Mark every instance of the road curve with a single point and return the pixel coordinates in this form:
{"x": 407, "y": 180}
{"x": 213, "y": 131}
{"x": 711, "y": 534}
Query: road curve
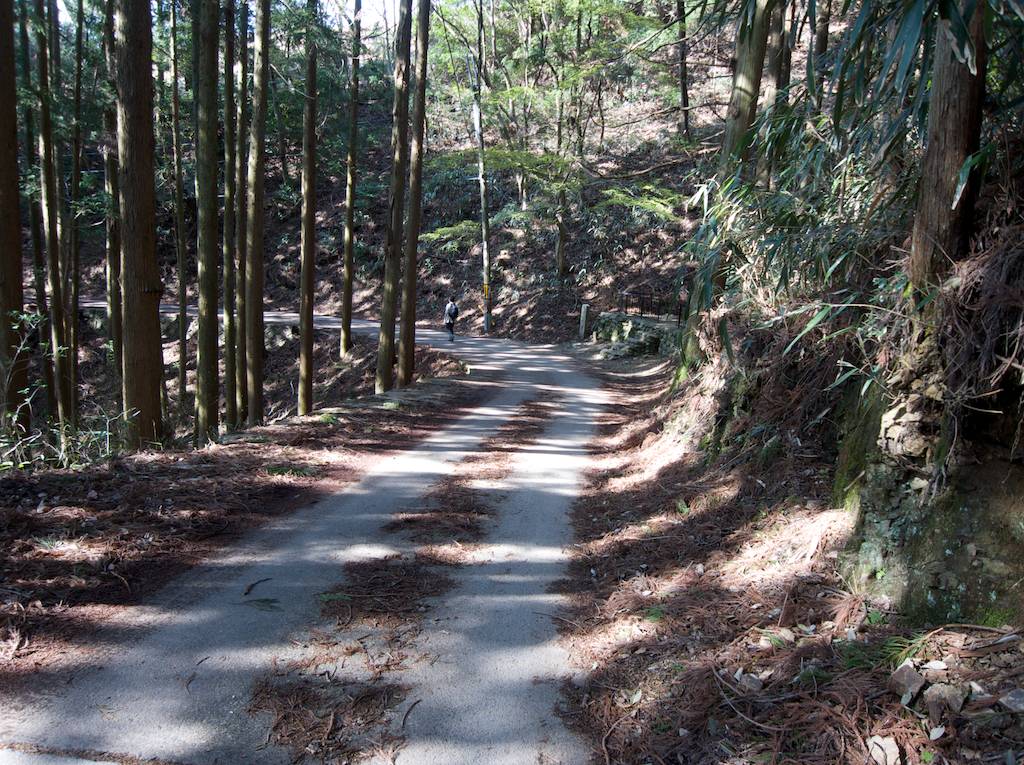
{"x": 174, "y": 677}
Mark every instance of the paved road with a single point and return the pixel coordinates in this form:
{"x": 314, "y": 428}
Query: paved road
{"x": 174, "y": 678}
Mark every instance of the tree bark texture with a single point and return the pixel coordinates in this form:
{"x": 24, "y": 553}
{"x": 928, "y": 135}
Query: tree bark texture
{"x": 240, "y": 212}
{"x": 13, "y": 371}
{"x": 179, "y": 214}
{"x": 208, "y": 245}
{"x": 308, "y": 246}
{"x": 51, "y": 214}
{"x": 112, "y": 187}
{"x": 407, "y": 341}
{"x": 942, "y": 223}
{"x": 478, "y": 131}
{"x": 230, "y": 190}
{"x": 751, "y": 42}
{"x": 255, "y": 217}
{"x": 684, "y": 84}
{"x": 396, "y": 202}
{"x": 350, "y": 183}
{"x": 140, "y": 276}
{"x": 36, "y": 222}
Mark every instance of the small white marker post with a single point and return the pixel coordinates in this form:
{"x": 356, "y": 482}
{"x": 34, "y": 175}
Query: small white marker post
{"x": 584, "y": 310}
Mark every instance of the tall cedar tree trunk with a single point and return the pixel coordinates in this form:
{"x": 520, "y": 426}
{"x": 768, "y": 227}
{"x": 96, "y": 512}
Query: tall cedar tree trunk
{"x": 478, "y": 130}
{"x": 240, "y": 213}
{"x": 751, "y": 42}
{"x": 140, "y": 276}
{"x": 350, "y": 183}
{"x": 13, "y": 370}
{"x": 230, "y": 187}
{"x": 308, "y": 274}
{"x": 74, "y": 232}
{"x": 942, "y": 229}
{"x": 112, "y": 186}
{"x": 179, "y": 215}
{"x": 51, "y": 207}
{"x": 57, "y": 97}
{"x": 684, "y": 84}
{"x": 396, "y": 201}
{"x": 207, "y": 240}
{"x": 407, "y": 342}
{"x": 255, "y": 218}
{"x": 36, "y": 224}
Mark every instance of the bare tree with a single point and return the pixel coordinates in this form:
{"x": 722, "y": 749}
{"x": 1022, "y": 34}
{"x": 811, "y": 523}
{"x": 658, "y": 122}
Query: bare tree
{"x": 407, "y": 344}
{"x": 308, "y": 216}
{"x": 112, "y": 186}
{"x": 36, "y": 220}
{"x": 350, "y": 183}
{"x": 51, "y": 215}
{"x": 255, "y": 222}
{"x": 179, "y": 214}
{"x": 207, "y": 245}
{"x": 485, "y": 214}
{"x": 230, "y": 204}
{"x": 241, "y": 210}
{"x": 140, "y": 276}
{"x": 13, "y": 371}
{"x": 396, "y": 201}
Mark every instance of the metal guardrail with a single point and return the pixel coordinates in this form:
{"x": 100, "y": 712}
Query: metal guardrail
{"x": 646, "y": 303}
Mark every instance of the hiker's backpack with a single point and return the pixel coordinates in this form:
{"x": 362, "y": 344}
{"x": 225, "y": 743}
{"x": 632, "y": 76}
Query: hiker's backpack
{"x": 451, "y": 313}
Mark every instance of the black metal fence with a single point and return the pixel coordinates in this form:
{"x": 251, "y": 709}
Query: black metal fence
{"x": 646, "y": 303}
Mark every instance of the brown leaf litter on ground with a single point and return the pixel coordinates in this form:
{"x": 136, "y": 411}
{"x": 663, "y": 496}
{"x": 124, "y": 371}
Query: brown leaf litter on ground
{"x": 707, "y": 610}
{"x": 336, "y": 722}
{"x": 383, "y": 601}
{"x": 80, "y": 543}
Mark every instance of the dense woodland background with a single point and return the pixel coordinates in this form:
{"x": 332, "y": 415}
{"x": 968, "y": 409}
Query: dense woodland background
{"x": 825, "y": 195}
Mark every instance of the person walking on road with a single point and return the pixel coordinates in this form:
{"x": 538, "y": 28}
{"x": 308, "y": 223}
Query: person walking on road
{"x": 451, "y": 313}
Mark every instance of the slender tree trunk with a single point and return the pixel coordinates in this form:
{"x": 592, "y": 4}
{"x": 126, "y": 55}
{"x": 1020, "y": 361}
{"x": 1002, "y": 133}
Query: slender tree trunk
{"x": 751, "y": 42}
{"x": 255, "y": 221}
{"x": 823, "y": 19}
{"x": 143, "y": 362}
{"x": 13, "y": 369}
{"x": 684, "y": 79}
{"x": 240, "y": 212}
{"x": 943, "y": 223}
{"x": 51, "y": 207}
{"x": 350, "y": 183}
{"x": 561, "y": 212}
{"x": 230, "y": 186}
{"x": 111, "y": 185}
{"x": 74, "y": 233}
{"x": 407, "y": 342}
{"x": 786, "y": 60}
{"x": 207, "y": 240}
{"x": 776, "y": 39}
{"x": 282, "y": 145}
{"x": 179, "y": 216}
{"x": 36, "y": 222}
{"x": 478, "y": 131}
{"x": 396, "y": 203}
{"x": 308, "y": 276}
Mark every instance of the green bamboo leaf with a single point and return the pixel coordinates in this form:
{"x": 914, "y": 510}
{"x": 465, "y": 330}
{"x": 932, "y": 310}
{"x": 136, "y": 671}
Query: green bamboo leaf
{"x": 815, "y": 321}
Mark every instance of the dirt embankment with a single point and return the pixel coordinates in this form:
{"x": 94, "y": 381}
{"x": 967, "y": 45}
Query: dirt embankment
{"x": 708, "y": 612}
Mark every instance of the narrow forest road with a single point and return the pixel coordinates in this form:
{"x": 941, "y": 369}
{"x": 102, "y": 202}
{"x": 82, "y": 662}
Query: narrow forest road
{"x": 177, "y": 672}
